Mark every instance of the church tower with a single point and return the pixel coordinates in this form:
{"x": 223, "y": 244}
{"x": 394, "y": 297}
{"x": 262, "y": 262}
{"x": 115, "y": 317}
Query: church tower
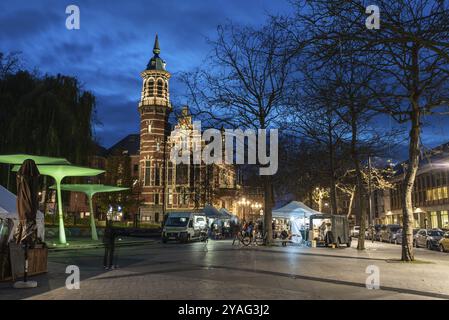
{"x": 154, "y": 109}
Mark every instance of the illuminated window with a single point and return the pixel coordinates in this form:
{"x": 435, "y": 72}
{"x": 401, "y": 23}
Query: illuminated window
{"x": 437, "y": 194}
{"x": 434, "y": 219}
{"x": 444, "y": 219}
{"x": 170, "y": 196}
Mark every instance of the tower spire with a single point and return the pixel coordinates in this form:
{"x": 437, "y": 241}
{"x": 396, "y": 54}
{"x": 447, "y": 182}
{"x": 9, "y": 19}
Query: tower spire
{"x": 156, "y": 49}
{"x": 156, "y": 63}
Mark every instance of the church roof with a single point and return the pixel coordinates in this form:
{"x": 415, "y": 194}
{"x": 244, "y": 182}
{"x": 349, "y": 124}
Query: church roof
{"x": 156, "y": 62}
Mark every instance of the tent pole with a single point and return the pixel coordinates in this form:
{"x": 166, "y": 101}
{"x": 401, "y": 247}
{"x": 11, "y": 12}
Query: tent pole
{"x": 62, "y": 238}
{"x": 92, "y": 218}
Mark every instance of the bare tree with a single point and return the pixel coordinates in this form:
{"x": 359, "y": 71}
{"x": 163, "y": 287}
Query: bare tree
{"x": 243, "y": 85}
{"x": 411, "y": 51}
{"x": 9, "y": 63}
{"x": 312, "y": 116}
{"x": 378, "y": 178}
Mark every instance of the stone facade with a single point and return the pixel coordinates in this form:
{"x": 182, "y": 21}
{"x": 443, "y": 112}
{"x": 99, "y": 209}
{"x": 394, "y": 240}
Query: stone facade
{"x": 166, "y": 186}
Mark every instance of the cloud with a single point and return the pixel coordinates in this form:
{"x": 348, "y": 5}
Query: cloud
{"x": 119, "y": 118}
{"x": 115, "y": 43}
{"x": 25, "y": 24}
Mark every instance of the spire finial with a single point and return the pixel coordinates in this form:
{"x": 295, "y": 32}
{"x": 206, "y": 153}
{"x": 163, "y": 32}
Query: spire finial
{"x": 156, "y": 49}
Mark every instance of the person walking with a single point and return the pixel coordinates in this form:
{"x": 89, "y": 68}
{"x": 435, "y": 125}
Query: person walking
{"x": 109, "y": 244}
{"x": 235, "y": 228}
{"x": 250, "y": 229}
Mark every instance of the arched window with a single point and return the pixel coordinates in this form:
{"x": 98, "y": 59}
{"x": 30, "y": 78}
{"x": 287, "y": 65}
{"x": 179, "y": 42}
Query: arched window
{"x": 150, "y": 88}
{"x": 160, "y": 88}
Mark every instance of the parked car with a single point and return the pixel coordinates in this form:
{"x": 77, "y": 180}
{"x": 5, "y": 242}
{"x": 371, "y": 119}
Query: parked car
{"x": 444, "y": 243}
{"x": 398, "y": 239}
{"x": 388, "y": 233}
{"x": 355, "y": 231}
{"x": 428, "y": 238}
{"x": 184, "y": 227}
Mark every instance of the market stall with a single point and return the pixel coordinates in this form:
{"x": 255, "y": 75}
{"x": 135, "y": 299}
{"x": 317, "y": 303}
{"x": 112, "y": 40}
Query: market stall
{"x": 219, "y": 222}
{"x": 293, "y": 217}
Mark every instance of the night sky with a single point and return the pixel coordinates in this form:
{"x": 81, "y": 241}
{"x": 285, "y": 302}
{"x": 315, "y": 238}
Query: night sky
{"x": 115, "y": 43}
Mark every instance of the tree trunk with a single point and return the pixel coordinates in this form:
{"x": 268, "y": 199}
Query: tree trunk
{"x": 351, "y": 201}
{"x": 412, "y": 168}
{"x": 359, "y": 189}
{"x": 360, "y": 212}
{"x": 407, "y": 210}
{"x": 333, "y": 193}
{"x": 268, "y": 195}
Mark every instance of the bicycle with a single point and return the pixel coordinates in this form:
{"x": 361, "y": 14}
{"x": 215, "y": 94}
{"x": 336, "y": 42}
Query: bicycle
{"x": 259, "y": 239}
{"x": 242, "y": 238}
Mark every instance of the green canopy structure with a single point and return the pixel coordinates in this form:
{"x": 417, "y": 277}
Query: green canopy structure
{"x": 59, "y": 172}
{"x": 13, "y": 159}
{"x": 90, "y": 190}
{"x": 20, "y": 158}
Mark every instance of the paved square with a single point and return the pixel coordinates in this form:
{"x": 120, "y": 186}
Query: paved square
{"x": 188, "y": 271}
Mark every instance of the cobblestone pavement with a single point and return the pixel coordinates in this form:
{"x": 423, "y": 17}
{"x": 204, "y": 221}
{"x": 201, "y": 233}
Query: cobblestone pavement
{"x": 175, "y": 271}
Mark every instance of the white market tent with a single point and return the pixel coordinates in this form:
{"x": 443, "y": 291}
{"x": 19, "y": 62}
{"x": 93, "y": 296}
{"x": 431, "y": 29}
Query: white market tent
{"x": 8, "y": 210}
{"x": 298, "y": 214}
{"x": 294, "y": 209}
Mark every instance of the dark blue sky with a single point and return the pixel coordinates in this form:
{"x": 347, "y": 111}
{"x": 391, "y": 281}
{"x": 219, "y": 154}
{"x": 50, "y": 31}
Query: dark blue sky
{"x": 115, "y": 43}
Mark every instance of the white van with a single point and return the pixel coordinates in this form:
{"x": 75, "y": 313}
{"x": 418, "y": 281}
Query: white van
{"x": 185, "y": 227}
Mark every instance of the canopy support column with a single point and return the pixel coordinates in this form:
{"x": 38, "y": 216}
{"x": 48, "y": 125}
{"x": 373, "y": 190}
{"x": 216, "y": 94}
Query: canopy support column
{"x": 93, "y": 228}
{"x": 62, "y": 238}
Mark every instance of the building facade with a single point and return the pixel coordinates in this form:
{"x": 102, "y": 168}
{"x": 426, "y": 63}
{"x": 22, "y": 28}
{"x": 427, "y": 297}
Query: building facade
{"x": 142, "y": 163}
{"x": 430, "y": 193}
{"x": 166, "y": 186}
